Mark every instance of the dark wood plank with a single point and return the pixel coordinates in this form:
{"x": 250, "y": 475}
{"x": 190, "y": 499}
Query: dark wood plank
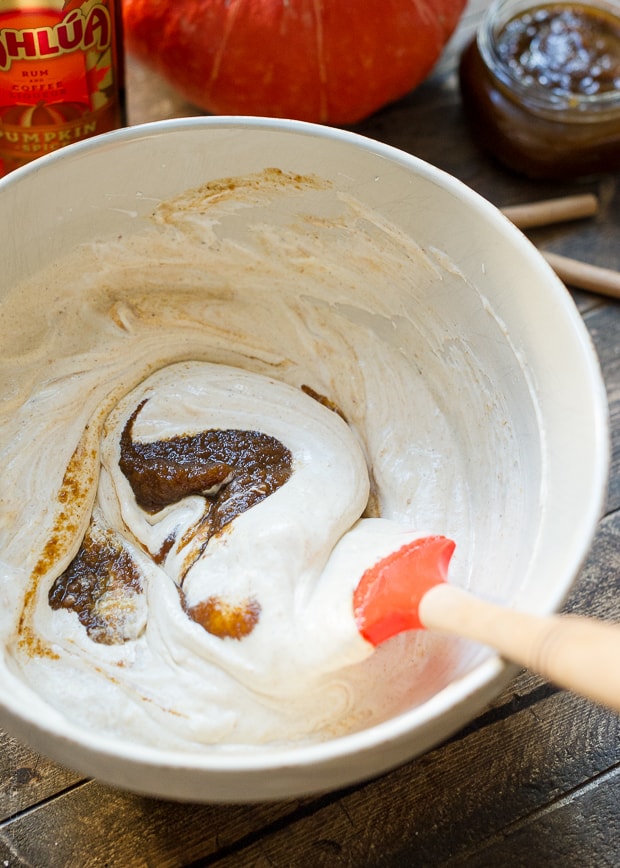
{"x": 94, "y": 825}
{"x": 604, "y": 325}
{"x": 26, "y": 778}
{"x": 580, "y": 830}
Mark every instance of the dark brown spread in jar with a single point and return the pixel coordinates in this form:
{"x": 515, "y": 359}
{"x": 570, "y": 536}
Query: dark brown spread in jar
{"x": 541, "y": 87}
{"x": 566, "y": 48}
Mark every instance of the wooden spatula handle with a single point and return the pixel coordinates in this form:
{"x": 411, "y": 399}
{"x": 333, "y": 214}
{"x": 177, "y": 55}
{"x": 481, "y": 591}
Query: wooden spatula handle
{"x": 580, "y": 654}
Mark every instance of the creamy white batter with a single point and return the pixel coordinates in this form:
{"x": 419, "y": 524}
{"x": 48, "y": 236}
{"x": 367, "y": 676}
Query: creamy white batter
{"x": 188, "y": 311}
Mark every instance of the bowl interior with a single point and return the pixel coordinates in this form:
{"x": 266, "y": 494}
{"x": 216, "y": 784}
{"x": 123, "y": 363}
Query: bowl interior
{"x": 501, "y": 415}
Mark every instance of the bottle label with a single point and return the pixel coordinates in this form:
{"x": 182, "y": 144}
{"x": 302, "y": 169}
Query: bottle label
{"x": 60, "y": 75}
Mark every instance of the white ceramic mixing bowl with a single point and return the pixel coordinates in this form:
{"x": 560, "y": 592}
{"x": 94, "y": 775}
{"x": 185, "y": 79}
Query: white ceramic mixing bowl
{"x": 534, "y": 494}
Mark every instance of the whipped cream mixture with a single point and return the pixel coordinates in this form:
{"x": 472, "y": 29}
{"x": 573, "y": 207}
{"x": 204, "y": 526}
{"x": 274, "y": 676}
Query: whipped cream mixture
{"x": 312, "y": 334}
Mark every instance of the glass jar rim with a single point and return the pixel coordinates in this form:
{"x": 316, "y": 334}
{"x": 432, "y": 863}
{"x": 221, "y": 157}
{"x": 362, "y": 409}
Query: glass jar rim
{"x": 544, "y": 101}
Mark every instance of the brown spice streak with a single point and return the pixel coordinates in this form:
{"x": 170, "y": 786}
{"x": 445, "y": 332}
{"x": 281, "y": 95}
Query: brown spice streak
{"x": 326, "y": 402}
{"x": 75, "y": 497}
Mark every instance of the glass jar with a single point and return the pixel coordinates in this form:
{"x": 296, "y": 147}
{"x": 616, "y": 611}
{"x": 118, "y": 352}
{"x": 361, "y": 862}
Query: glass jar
{"x": 540, "y": 85}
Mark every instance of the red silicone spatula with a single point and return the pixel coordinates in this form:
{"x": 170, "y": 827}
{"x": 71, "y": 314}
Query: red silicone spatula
{"x": 408, "y": 590}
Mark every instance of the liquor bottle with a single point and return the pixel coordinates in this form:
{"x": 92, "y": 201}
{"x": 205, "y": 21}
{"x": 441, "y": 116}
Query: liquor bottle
{"x": 61, "y": 75}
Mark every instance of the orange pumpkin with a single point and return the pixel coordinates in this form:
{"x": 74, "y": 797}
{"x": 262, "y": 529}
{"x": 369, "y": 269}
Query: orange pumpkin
{"x": 328, "y": 61}
{"x": 42, "y": 114}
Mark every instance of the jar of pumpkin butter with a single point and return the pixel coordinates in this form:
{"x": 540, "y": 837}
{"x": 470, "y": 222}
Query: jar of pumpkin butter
{"x": 540, "y": 85}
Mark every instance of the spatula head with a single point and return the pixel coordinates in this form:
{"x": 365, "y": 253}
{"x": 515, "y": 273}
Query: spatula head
{"x": 388, "y": 595}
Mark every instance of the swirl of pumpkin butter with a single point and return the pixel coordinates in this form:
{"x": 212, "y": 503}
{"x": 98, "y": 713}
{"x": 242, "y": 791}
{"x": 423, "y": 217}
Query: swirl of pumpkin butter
{"x": 238, "y": 487}
{"x": 211, "y": 598}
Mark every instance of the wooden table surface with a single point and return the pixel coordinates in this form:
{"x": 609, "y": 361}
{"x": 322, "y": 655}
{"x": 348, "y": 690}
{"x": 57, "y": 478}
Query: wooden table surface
{"x": 534, "y": 780}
